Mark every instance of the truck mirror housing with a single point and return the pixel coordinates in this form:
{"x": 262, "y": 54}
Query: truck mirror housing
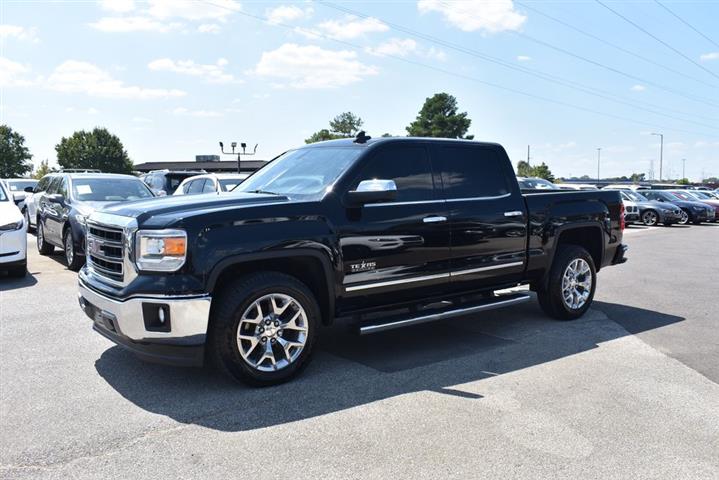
{"x": 372, "y": 191}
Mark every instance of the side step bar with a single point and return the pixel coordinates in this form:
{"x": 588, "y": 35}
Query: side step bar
{"x": 492, "y": 303}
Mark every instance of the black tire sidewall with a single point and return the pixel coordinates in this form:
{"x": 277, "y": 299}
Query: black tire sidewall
{"x": 233, "y": 302}
{"x": 552, "y": 300}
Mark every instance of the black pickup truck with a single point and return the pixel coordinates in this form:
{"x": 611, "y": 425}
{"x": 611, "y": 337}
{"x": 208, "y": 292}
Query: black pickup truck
{"x": 384, "y": 233}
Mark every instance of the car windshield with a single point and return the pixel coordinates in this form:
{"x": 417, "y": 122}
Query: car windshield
{"x": 635, "y": 196}
{"x": 537, "y": 184}
{"x": 684, "y": 196}
{"x": 228, "y": 184}
{"x": 20, "y": 185}
{"x": 109, "y": 189}
{"x": 306, "y": 172}
{"x": 701, "y": 195}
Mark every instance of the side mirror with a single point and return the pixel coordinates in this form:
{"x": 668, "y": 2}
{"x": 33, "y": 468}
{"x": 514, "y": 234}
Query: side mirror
{"x": 17, "y": 198}
{"x": 56, "y": 198}
{"x": 372, "y": 191}
{"x": 29, "y": 189}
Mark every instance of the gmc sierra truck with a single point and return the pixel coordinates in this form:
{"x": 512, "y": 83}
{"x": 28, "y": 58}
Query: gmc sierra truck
{"x": 381, "y": 233}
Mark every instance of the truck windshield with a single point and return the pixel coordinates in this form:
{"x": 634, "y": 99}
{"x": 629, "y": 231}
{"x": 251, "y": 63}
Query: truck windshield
{"x": 305, "y": 172}
{"x": 109, "y": 189}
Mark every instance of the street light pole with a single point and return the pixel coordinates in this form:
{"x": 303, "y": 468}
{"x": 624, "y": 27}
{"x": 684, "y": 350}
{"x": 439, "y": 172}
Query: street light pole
{"x": 661, "y": 152}
{"x": 599, "y": 157}
{"x": 684, "y": 164}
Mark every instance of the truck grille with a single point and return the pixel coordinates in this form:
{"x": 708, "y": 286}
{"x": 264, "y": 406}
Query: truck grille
{"x": 106, "y": 252}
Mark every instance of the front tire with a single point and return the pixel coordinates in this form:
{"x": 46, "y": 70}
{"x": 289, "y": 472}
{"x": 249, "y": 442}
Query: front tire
{"x": 571, "y": 284}
{"x": 264, "y": 328}
{"x": 684, "y": 218}
{"x": 43, "y": 247}
{"x": 74, "y": 261}
{"x": 650, "y": 218}
{"x": 26, "y": 214}
{"x": 17, "y": 272}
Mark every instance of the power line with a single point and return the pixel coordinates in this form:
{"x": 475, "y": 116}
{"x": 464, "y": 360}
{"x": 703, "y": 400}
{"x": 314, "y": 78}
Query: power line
{"x": 590, "y": 90}
{"x": 468, "y": 77}
{"x": 614, "y": 45}
{"x": 685, "y": 22}
{"x": 638, "y": 27}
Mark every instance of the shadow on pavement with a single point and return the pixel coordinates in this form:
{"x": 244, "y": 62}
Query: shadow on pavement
{"x": 349, "y": 371}
{"x": 8, "y": 283}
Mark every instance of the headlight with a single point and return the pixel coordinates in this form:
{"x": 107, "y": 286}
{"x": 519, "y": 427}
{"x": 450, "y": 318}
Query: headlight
{"x": 81, "y": 219}
{"x": 10, "y": 227}
{"x": 160, "y": 250}
{"x": 697, "y": 208}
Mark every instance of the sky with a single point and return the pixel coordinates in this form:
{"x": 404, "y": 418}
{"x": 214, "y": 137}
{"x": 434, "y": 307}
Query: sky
{"x": 172, "y": 78}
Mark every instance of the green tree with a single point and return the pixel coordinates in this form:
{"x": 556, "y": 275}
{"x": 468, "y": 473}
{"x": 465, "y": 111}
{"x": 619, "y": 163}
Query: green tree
{"x": 43, "y": 170}
{"x": 344, "y": 125}
{"x": 439, "y": 118}
{"x": 524, "y": 169}
{"x": 683, "y": 181}
{"x": 637, "y": 177}
{"x": 543, "y": 171}
{"x": 96, "y": 149}
{"x": 14, "y": 155}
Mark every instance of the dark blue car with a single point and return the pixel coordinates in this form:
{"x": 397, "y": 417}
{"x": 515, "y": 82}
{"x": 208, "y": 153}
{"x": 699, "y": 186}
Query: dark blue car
{"x": 69, "y": 199}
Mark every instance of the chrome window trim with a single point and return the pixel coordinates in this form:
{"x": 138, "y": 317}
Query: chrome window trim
{"x": 471, "y": 199}
{"x": 416, "y": 202}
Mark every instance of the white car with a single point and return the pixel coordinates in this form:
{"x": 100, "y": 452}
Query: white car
{"x": 210, "y": 183}
{"x": 30, "y": 210}
{"x": 13, "y": 236}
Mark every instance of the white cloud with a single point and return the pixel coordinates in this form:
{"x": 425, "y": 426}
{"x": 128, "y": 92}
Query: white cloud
{"x": 118, "y": 6}
{"x": 182, "y": 111}
{"x": 193, "y": 10}
{"x": 73, "y": 76}
{"x": 312, "y": 67}
{"x": 706, "y": 57}
{"x": 209, "y": 28}
{"x": 213, "y": 73}
{"x": 470, "y": 15}
{"x": 133, "y": 24}
{"x": 19, "y": 33}
{"x": 436, "y": 54}
{"x": 352, "y": 27}
{"x": 308, "y": 33}
{"x": 141, "y": 120}
{"x": 523, "y": 58}
{"x": 400, "y": 47}
{"x": 13, "y": 74}
{"x": 287, "y": 13}
{"x": 638, "y": 88}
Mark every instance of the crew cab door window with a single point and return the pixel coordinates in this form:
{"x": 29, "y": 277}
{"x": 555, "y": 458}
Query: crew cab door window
{"x": 410, "y": 169}
{"x": 471, "y": 172}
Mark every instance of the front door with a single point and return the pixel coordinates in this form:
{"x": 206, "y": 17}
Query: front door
{"x": 487, "y": 216}
{"x": 399, "y": 250}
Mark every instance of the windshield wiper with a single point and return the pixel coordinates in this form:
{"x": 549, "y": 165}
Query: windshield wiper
{"x": 265, "y": 192}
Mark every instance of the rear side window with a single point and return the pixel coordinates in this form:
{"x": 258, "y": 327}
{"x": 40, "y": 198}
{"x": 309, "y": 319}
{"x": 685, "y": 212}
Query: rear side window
{"x": 410, "y": 169}
{"x": 209, "y": 186}
{"x": 472, "y": 172}
{"x": 196, "y": 186}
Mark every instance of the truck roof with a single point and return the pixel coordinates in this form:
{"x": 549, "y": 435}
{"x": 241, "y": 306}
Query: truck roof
{"x": 350, "y": 142}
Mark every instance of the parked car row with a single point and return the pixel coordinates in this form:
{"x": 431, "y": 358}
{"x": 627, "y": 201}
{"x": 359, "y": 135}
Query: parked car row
{"x": 57, "y": 205}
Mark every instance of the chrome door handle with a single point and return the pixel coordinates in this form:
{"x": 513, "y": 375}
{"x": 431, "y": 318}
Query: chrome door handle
{"x": 435, "y": 219}
{"x": 514, "y": 213}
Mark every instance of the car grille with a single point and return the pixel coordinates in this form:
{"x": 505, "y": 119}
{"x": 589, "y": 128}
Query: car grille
{"x": 106, "y": 252}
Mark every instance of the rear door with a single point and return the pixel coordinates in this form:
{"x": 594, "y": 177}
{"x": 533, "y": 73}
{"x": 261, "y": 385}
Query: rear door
{"x": 56, "y": 213}
{"x": 487, "y": 215}
{"x": 398, "y": 250}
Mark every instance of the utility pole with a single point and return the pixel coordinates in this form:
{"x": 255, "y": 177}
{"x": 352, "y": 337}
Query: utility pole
{"x": 239, "y": 154}
{"x": 599, "y": 157}
{"x": 661, "y": 152}
{"x": 684, "y": 164}
{"x": 527, "y": 154}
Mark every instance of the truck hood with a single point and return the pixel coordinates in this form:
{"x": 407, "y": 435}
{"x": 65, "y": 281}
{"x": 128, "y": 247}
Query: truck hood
{"x": 170, "y": 208}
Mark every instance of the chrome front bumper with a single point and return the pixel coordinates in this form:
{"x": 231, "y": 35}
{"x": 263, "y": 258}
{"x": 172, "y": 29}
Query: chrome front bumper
{"x": 134, "y": 323}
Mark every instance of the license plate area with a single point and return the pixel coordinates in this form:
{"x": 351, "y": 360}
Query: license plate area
{"x": 101, "y": 317}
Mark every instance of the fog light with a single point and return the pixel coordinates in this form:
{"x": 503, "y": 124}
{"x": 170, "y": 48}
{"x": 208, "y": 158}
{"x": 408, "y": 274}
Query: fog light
{"x": 161, "y": 315}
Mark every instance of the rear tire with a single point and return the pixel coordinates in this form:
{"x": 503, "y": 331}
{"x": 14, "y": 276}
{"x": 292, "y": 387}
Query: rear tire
{"x": 73, "y": 260}
{"x": 240, "y": 346}
{"x": 43, "y": 247}
{"x": 26, "y": 214}
{"x": 17, "y": 272}
{"x": 569, "y": 295}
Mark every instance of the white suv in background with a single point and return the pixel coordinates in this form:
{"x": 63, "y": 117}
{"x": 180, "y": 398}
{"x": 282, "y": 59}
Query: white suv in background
{"x": 210, "y": 183}
{"x": 13, "y": 236}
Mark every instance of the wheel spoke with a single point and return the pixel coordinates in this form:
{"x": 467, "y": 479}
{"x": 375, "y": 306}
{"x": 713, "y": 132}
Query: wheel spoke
{"x": 292, "y": 323}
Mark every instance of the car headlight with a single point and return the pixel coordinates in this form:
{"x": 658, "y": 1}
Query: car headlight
{"x": 11, "y": 227}
{"x": 697, "y": 208}
{"x": 81, "y": 219}
{"x": 160, "y": 250}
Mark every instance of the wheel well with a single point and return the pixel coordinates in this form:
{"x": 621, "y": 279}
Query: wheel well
{"x": 589, "y": 238}
{"x": 307, "y": 269}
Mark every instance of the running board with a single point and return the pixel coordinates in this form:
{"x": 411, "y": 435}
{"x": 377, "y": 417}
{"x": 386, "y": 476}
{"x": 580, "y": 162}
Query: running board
{"x": 491, "y": 303}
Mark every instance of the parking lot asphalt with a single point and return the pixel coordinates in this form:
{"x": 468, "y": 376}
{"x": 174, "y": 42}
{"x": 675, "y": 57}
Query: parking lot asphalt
{"x": 628, "y": 391}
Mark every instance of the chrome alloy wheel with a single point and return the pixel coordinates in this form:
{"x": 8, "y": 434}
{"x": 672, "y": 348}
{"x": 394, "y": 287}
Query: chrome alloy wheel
{"x": 684, "y": 218}
{"x": 272, "y": 332}
{"x": 69, "y": 251}
{"x": 650, "y": 218}
{"x": 576, "y": 284}
{"x": 40, "y": 236}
